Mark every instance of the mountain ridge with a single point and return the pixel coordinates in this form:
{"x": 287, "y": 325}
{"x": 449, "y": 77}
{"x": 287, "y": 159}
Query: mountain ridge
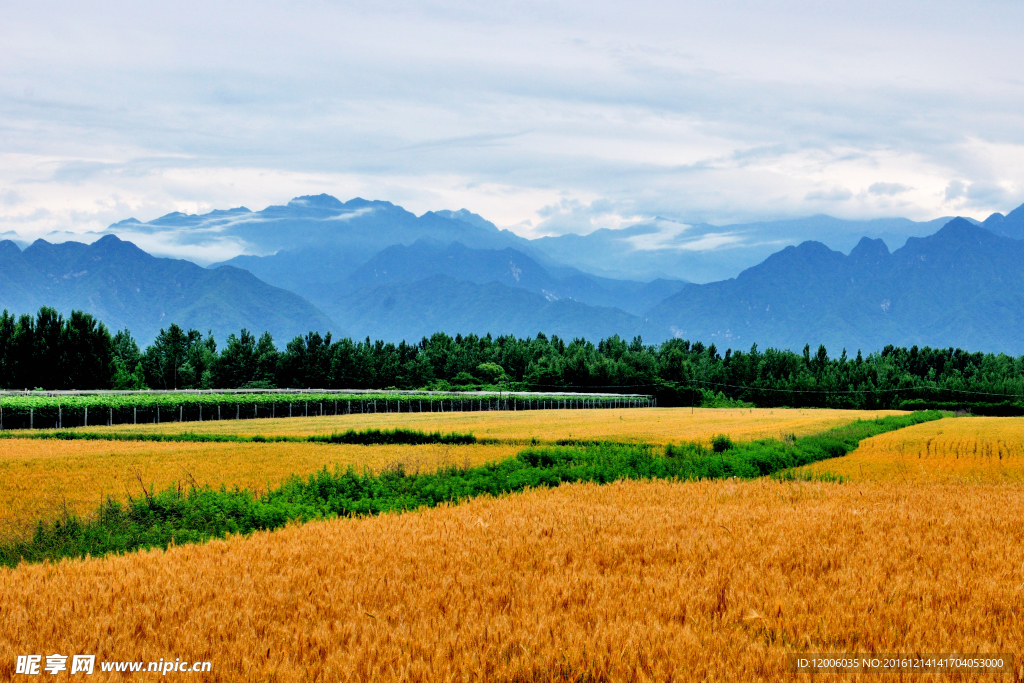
{"x": 962, "y": 286}
{"x": 124, "y": 286}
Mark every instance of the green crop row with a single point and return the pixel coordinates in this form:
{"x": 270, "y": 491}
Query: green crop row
{"x": 212, "y": 399}
{"x": 20, "y": 411}
{"x": 367, "y": 437}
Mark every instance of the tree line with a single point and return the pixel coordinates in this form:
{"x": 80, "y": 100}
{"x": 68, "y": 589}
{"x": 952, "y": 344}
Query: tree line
{"x": 49, "y": 351}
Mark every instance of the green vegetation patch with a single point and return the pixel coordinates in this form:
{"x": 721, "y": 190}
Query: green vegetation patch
{"x": 390, "y": 437}
{"x": 176, "y": 516}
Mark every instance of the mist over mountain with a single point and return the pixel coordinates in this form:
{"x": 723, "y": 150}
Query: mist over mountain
{"x": 314, "y": 240}
{"x": 706, "y": 253}
{"x": 318, "y": 239}
{"x": 962, "y": 286}
{"x": 125, "y": 287}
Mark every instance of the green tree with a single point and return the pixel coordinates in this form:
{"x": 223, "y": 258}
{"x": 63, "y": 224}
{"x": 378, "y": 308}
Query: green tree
{"x": 87, "y": 353}
{"x": 165, "y": 359}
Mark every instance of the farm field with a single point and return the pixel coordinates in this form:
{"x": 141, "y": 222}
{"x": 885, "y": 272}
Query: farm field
{"x": 40, "y": 479}
{"x": 627, "y": 581}
{"x": 968, "y": 450}
{"x": 650, "y": 425}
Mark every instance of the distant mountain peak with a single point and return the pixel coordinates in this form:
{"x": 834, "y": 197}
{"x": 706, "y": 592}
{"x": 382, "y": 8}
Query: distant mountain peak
{"x": 110, "y": 245}
{"x": 869, "y": 248}
{"x": 319, "y": 201}
{"x": 466, "y": 216}
{"x": 958, "y": 229}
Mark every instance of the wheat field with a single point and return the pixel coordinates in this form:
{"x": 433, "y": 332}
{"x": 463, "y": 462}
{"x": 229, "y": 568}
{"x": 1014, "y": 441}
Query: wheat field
{"x": 633, "y": 581}
{"x": 42, "y": 479}
{"x": 966, "y": 449}
{"x": 650, "y": 425}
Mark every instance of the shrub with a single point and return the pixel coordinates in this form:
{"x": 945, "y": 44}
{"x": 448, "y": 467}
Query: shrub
{"x": 721, "y": 443}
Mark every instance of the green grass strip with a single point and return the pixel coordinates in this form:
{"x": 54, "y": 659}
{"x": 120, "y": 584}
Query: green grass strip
{"x": 367, "y": 437}
{"x": 199, "y": 514}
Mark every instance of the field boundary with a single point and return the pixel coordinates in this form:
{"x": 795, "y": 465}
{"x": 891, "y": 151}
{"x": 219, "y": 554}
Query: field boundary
{"x": 365, "y": 437}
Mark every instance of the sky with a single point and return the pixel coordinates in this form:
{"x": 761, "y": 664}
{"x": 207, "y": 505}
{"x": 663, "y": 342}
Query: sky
{"x": 544, "y": 117}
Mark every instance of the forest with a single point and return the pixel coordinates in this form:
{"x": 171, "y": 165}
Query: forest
{"x": 48, "y": 352}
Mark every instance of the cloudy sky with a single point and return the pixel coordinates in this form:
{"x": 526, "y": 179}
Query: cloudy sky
{"x": 545, "y": 117}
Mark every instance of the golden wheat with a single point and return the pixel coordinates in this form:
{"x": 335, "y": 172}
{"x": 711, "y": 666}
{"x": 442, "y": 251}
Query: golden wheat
{"x": 634, "y": 581}
{"x": 43, "y": 479}
{"x": 651, "y": 425}
{"x": 975, "y": 449}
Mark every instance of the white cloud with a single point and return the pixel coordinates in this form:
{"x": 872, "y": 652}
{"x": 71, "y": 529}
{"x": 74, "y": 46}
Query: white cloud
{"x": 542, "y": 117}
{"x": 888, "y": 189}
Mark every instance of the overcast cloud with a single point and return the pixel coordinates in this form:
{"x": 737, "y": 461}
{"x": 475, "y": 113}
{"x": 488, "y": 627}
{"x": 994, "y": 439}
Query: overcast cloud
{"x": 544, "y": 117}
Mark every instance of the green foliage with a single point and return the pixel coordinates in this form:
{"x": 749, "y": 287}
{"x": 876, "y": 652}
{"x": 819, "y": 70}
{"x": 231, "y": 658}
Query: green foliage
{"x": 761, "y": 458}
{"x": 394, "y": 436}
{"x": 490, "y": 373}
{"x": 198, "y": 514}
{"x": 716, "y": 399}
{"x": 43, "y": 411}
{"x": 721, "y": 443}
{"x": 51, "y": 352}
{"x": 124, "y": 380}
{"x": 366, "y": 438}
{"x": 997, "y": 409}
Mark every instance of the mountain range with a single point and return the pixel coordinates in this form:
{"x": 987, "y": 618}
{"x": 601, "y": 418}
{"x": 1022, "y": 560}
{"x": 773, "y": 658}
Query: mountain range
{"x": 368, "y": 268}
{"x": 126, "y": 287}
{"x": 962, "y": 286}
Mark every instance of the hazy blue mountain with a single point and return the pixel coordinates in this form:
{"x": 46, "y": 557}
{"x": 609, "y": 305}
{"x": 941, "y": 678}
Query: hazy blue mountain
{"x": 315, "y": 240}
{"x": 1010, "y": 225}
{"x": 412, "y": 310}
{"x": 126, "y": 287}
{"x": 705, "y": 253}
{"x": 319, "y": 239}
{"x": 510, "y": 267}
{"x": 962, "y": 286}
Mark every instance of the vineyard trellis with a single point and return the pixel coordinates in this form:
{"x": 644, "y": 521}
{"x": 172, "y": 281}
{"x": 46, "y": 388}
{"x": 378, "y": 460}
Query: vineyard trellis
{"x": 63, "y": 409}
